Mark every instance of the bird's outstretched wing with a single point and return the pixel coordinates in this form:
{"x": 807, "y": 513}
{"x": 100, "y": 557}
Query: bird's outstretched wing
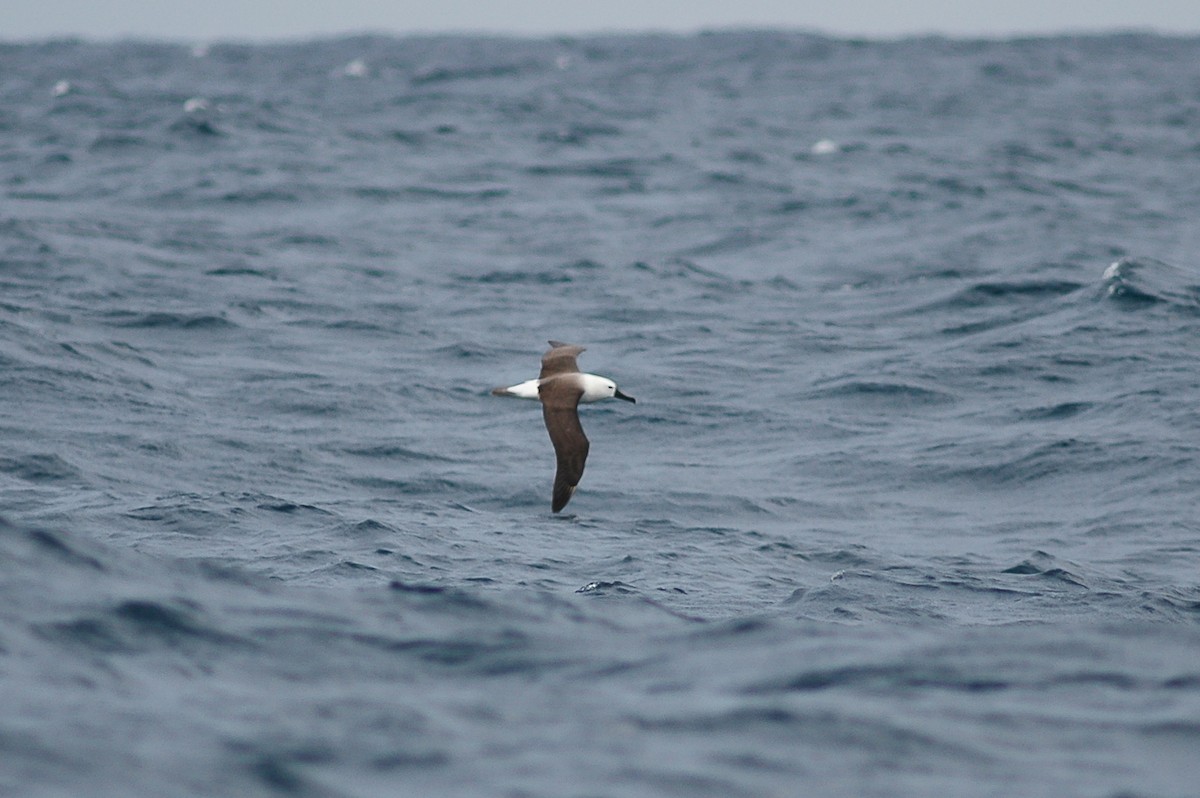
{"x": 561, "y": 414}
{"x": 560, "y": 359}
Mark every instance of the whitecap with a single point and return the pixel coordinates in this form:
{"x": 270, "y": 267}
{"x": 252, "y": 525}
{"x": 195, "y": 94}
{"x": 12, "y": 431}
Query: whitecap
{"x": 355, "y": 69}
{"x": 825, "y": 147}
{"x": 195, "y": 105}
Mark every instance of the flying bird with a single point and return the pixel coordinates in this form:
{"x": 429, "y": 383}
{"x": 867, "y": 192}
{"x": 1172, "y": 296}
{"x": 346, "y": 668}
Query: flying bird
{"x": 560, "y": 387}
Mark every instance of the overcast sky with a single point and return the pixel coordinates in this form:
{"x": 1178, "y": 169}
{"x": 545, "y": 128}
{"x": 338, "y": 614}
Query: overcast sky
{"x": 206, "y": 20}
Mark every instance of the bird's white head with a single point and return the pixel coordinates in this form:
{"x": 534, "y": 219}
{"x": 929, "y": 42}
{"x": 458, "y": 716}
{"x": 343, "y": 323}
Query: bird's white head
{"x": 596, "y": 388}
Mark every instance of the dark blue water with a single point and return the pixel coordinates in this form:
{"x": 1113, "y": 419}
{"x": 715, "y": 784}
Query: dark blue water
{"x": 907, "y": 505}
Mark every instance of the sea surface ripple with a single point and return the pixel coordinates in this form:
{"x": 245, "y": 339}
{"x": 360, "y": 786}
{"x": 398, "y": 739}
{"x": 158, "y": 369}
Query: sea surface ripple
{"x": 907, "y": 505}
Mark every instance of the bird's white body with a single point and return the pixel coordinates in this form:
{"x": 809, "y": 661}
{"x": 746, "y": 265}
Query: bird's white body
{"x": 594, "y": 387}
{"x": 526, "y": 390}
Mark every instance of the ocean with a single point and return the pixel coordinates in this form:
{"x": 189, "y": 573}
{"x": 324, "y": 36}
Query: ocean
{"x": 907, "y": 505}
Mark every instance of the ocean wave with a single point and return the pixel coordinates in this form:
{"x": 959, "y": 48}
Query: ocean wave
{"x": 170, "y": 320}
{"x": 39, "y": 467}
{"x": 1132, "y": 283}
{"x": 893, "y": 393}
{"x": 909, "y": 491}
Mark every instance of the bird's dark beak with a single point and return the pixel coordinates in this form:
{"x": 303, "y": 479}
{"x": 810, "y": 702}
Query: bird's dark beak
{"x": 618, "y": 395}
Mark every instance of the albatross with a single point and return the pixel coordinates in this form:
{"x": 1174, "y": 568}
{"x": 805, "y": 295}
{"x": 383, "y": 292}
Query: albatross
{"x": 560, "y": 387}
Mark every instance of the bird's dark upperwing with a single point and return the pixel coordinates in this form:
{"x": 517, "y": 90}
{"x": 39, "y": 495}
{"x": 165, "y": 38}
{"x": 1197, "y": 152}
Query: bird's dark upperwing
{"x": 559, "y": 359}
{"x": 560, "y": 411}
